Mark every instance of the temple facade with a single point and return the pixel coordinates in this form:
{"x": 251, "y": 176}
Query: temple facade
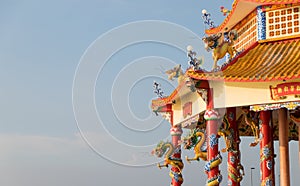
{"x": 256, "y": 92}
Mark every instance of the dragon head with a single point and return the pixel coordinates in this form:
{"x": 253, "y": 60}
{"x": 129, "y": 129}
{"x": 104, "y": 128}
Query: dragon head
{"x": 160, "y": 149}
{"x": 190, "y": 140}
{"x": 211, "y": 42}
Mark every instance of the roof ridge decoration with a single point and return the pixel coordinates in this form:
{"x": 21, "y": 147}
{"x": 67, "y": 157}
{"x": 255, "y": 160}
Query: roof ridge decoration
{"x": 224, "y": 10}
{"x": 183, "y": 80}
{"x": 221, "y": 44}
{"x": 162, "y": 101}
{"x": 270, "y": 61}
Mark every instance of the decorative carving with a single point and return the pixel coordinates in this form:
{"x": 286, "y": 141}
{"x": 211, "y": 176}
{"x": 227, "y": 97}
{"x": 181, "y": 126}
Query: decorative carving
{"x": 175, "y": 72}
{"x": 157, "y": 90}
{"x": 176, "y": 131}
{"x": 213, "y": 140}
{"x": 224, "y": 10}
{"x": 191, "y": 122}
{"x": 216, "y": 161}
{"x": 211, "y": 115}
{"x": 194, "y": 62}
{"x": 166, "y": 116}
{"x": 168, "y": 149}
{"x": 289, "y": 105}
{"x": 206, "y": 18}
{"x": 261, "y": 23}
{"x": 281, "y": 91}
{"x": 251, "y": 119}
{"x": 197, "y": 140}
{"x": 221, "y": 45}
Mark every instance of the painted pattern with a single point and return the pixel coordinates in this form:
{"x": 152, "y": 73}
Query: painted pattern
{"x": 261, "y": 22}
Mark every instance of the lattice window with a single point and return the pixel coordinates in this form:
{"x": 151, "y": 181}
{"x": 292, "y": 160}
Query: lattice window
{"x": 283, "y": 22}
{"x": 247, "y": 35}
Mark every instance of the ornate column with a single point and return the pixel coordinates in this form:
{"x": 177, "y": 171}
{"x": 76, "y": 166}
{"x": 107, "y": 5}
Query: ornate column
{"x": 213, "y": 156}
{"x": 172, "y": 151}
{"x": 272, "y": 148}
{"x": 266, "y": 160}
{"x": 284, "y": 147}
{"x": 175, "y": 172}
{"x": 234, "y": 167}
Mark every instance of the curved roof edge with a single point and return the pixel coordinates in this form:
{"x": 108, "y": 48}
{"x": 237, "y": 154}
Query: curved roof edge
{"x": 262, "y": 62}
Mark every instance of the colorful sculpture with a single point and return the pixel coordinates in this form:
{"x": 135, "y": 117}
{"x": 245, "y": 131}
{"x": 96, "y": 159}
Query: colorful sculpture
{"x": 157, "y": 90}
{"x": 175, "y": 72}
{"x": 167, "y": 149}
{"x": 236, "y": 173}
{"x": 215, "y": 162}
{"x": 221, "y": 44}
{"x": 194, "y": 62}
{"x": 224, "y": 10}
{"x": 197, "y": 140}
{"x": 251, "y": 119}
{"x": 226, "y": 132}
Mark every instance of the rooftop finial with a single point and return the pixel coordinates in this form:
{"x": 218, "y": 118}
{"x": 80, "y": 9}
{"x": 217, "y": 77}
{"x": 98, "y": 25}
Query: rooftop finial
{"x": 224, "y": 10}
{"x": 207, "y": 19}
{"x": 157, "y": 90}
{"x": 193, "y": 60}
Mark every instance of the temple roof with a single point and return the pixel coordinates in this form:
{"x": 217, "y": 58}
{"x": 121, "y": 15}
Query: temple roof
{"x": 264, "y": 61}
{"x": 240, "y": 9}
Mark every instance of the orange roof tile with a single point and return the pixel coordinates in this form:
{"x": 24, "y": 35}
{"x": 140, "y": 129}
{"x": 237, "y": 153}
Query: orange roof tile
{"x": 267, "y": 61}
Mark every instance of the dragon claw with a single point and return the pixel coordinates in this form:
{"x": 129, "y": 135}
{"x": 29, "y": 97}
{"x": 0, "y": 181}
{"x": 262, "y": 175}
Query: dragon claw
{"x": 159, "y": 166}
{"x": 187, "y": 159}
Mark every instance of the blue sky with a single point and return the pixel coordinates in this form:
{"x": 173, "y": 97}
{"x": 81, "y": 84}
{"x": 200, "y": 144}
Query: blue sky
{"x": 44, "y": 44}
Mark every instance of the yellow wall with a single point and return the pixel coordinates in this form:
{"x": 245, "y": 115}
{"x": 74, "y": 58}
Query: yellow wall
{"x": 198, "y": 106}
{"x": 231, "y": 94}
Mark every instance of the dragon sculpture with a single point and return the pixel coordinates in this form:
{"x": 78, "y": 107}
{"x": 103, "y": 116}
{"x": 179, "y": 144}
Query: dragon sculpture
{"x": 228, "y": 140}
{"x": 197, "y": 140}
{"x": 221, "y": 45}
{"x": 227, "y": 133}
{"x": 241, "y": 172}
{"x": 236, "y": 173}
{"x": 209, "y": 165}
{"x": 252, "y": 121}
{"x": 175, "y": 72}
{"x": 167, "y": 149}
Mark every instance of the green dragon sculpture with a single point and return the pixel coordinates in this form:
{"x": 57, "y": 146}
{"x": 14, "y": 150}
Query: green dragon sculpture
{"x": 167, "y": 148}
{"x": 197, "y": 140}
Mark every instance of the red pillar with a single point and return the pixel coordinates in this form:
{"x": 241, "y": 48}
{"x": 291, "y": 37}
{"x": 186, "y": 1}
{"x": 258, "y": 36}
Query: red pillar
{"x": 233, "y": 155}
{"x": 266, "y": 160}
{"x": 176, "y": 132}
{"x": 272, "y": 149}
{"x": 284, "y": 147}
{"x": 213, "y": 157}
